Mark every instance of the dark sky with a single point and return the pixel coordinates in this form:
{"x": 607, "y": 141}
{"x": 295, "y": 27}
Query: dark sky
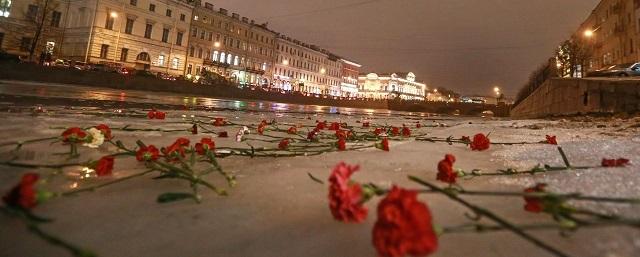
{"x": 466, "y": 45}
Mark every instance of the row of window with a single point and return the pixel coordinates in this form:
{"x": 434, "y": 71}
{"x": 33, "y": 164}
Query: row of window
{"x": 32, "y": 14}
{"x": 124, "y": 57}
{"x": 230, "y": 42}
{"x": 237, "y": 30}
{"x": 148, "y": 31}
{"x": 306, "y": 55}
{"x": 306, "y": 77}
{"x": 152, "y": 8}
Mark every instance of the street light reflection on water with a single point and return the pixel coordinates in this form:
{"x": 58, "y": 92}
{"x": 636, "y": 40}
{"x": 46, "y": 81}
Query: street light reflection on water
{"x": 161, "y": 98}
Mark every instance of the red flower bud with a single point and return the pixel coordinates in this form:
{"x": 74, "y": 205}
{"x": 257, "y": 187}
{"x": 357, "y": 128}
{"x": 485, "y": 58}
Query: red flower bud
{"x": 342, "y": 144}
{"x": 206, "y": 144}
{"x": 615, "y": 163}
{"x": 292, "y": 130}
{"x": 551, "y": 140}
{"x": 219, "y": 122}
{"x": 284, "y": 144}
{"x": 406, "y": 132}
{"x": 445, "y": 170}
{"x": 223, "y": 134}
{"x": 534, "y": 204}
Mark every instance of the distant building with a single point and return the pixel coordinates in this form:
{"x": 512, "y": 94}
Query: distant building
{"x": 305, "y": 68}
{"x": 349, "y": 83}
{"x": 231, "y": 46}
{"x": 613, "y": 32}
{"x": 390, "y": 86}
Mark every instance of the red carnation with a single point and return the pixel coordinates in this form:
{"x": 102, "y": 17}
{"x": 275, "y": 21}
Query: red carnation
{"x": 321, "y": 125}
{"x": 384, "y": 145}
{"x": 366, "y": 124}
{"x": 147, "y": 153}
{"x": 206, "y": 144}
{"x": 418, "y": 125}
{"x": 218, "y": 122}
{"x": 313, "y": 134}
{"x": 160, "y": 115}
{"x": 104, "y": 166}
{"x": 480, "y": 142}
{"x": 106, "y": 131}
{"x": 406, "y": 132}
{"x": 261, "y": 127}
{"x": 292, "y": 130}
{"x": 73, "y": 135}
{"x": 343, "y": 134}
{"x": 284, "y": 144}
{"x": 223, "y": 134}
{"x": 342, "y": 144}
{"x": 23, "y": 195}
{"x": 395, "y": 131}
{"x": 615, "y": 163}
{"x": 445, "y": 170}
{"x": 404, "y": 226}
{"x": 151, "y": 115}
{"x": 177, "y": 148}
{"x": 551, "y": 140}
{"x": 534, "y": 204}
{"x": 334, "y": 126}
{"x": 378, "y": 131}
{"x": 345, "y": 196}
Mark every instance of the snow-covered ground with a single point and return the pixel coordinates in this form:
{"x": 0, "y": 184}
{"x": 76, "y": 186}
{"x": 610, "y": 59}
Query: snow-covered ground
{"x": 277, "y": 210}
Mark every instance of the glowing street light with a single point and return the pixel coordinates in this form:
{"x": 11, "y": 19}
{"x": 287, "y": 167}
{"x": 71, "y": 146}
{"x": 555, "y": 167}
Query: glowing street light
{"x": 285, "y": 62}
{"x": 216, "y": 44}
{"x": 589, "y": 33}
{"x": 323, "y": 71}
{"x": 114, "y": 15}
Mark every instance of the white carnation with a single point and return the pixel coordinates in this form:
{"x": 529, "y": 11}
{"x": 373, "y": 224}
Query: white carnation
{"x": 97, "y": 138}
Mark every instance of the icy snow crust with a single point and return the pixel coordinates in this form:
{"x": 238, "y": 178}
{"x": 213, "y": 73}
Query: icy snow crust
{"x": 276, "y": 210}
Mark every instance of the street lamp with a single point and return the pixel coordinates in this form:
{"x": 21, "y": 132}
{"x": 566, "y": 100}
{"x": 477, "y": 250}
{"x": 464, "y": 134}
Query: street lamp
{"x": 114, "y": 15}
{"x": 216, "y": 44}
{"x": 285, "y": 62}
{"x": 323, "y": 71}
{"x": 588, "y": 33}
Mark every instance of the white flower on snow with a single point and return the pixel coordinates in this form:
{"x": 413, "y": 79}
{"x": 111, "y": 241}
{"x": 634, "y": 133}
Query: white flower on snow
{"x": 97, "y": 138}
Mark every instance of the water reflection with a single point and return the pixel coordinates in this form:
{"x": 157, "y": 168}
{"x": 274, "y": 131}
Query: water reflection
{"x": 104, "y": 94}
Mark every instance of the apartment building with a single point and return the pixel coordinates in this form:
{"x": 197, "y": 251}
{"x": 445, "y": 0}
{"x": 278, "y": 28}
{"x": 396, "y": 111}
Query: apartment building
{"x": 391, "y": 86}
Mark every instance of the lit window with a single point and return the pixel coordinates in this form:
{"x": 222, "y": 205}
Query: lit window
{"x": 215, "y": 55}
{"x": 236, "y": 61}
{"x": 222, "y": 57}
{"x": 229, "y": 58}
{"x": 195, "y": 18}
{"x": 161, "y": 60}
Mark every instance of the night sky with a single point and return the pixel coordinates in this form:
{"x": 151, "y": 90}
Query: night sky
{"x": 466, "y": 45}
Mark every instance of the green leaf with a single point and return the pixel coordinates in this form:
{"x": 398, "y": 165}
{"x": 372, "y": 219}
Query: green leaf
{"x": 317, "y": 180}
{"x": 173, "y": 197}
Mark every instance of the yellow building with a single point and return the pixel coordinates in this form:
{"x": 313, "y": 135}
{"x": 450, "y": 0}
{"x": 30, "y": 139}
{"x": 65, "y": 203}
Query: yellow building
{"x": 20, "y": 20}
{"x": 305, "y": 68}
{"x": 612, "y": 31}
{"x": 391, "y": 86}
{"x": 232, "y": 46}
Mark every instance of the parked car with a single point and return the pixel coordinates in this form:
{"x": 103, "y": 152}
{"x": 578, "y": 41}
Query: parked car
{"x": 620, "y": 70}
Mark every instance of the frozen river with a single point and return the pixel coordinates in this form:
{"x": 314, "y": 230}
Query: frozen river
{"x": 276, "y": 209}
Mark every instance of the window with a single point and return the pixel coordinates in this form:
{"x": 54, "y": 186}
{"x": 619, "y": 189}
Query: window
{"x": 210, "y": 36}
{"x": 189, "y": 68}
{"x": 128, "y": 29}
{"x": 202, "y": 34}
{"x": 182, "y": 17}
{"x": 168, "y": 12}
{"x": 55, "y": 19}
{"x": 165, "y": 35}
{"x": 133, "y": 2}
{"x": 152, "y": 7}
{"x": 215, "y": 56}
{"x": 222, "y": 57}
{"x": 179, "y": 39}
{"x": 148, "y": 30}
{"x": 200, "y": 53}
{"x": 104, "y": 51}
{"x": 1, "y": 38}
{"x": 236, "y": 61}
{"x": 109, "y": 23}
{"x": 123, "y": 54}
{"x": 5, "y": 7}
{"x": 194, "y": 32}
{"x": 160, "y": 60}
{"x": 229, "y": 58}
{"x": 192, "y": 51}
{"x": 208, "y": 6}
{"x": 175, "y": 63}
{"x": 25, "y": 44}
{"x": 32, "y": 12}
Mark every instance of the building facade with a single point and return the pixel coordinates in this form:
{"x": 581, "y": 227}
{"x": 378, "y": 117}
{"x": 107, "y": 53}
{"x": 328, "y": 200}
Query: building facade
{"x": 391, "y": 86}
{"x": 612, "y": 32}
{"x": 349, "y": 83}
{"x": 21, "y": 20}
{"x": 231, "y": 46}
{"x": 305, "y": 68}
